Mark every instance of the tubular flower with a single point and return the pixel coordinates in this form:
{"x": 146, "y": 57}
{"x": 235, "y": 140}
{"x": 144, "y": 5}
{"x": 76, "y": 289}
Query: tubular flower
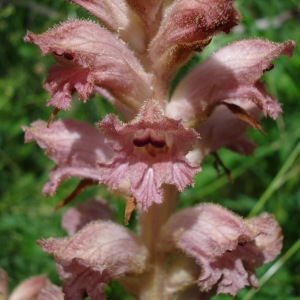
{"x": 226, "y": 247}
{"x": 225, "y": 90}
{"x": 149, "y": 151}
{"x": 93, "y": 256}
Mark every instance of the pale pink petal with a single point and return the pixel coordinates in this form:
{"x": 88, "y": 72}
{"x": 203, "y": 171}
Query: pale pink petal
{"x": 223, "y": 129}
{"x": 149, "y": 152}
{"x": 182, "y": 273}
{"x": 188, "y": 26}
{"x": 231, "y": 74}
{"x": 74, "y": 146}
{"x": 149, "y": 12}
{"x": 269, "y": 240}
{"x": 63, "y": 80}
{"x": 119, "y": 18}
{"x": 83, "y": 46}
{"x": 227, "y": 247}
{"x": 95, "y": 255}
{"x": 78, "y": 216}
{"x": 30, "y": 288}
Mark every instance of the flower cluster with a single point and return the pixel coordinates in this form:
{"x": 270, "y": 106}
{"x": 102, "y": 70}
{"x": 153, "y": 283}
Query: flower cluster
{"x": 158, "y": 147}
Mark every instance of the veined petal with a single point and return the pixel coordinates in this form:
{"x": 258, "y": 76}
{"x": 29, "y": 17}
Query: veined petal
{"x": 188, "y": 26}
{"x": 149, "y": 152}
{"x": 74, "y": 146}
{"x": 231, "y": 74}
{"x": 95, "y": 255}
{"x": 227, "y": 247}
{"x": 83, "y": 46}
{"x": 118, "y": 16}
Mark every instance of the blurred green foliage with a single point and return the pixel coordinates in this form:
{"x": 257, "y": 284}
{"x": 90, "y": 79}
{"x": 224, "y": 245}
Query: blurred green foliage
{"x": 26, "y": 215}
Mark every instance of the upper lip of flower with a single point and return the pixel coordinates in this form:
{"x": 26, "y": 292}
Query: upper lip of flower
{"x": 148, "y": 136}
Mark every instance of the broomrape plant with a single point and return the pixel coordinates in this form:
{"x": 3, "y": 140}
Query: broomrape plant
{"x": 151, "y": 151}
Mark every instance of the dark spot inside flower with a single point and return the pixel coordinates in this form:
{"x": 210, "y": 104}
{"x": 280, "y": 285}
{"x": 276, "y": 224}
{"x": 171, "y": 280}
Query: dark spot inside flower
{"x": 242, "y": 243}
{"x": 157, "y": 143}
{"x": 68, "y": 56}
{"x": 142, "y": 142}
{"x": 269, "y": 68}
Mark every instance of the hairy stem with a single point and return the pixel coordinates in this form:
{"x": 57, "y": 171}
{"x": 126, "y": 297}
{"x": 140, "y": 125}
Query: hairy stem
{"x": 150, "y": 224}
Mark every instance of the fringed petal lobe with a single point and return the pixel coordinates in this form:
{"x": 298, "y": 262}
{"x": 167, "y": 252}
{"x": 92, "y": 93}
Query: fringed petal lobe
{"x": 227, "y": 247}
{"x": 231, "y": 74}
{"x": 102, "y": 58}
{"x": 74, "y": 146}
{"x": 149, "y": 152}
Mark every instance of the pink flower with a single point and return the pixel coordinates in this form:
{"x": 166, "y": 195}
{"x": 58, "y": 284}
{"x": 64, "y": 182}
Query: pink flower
{"x": 34, "y": 288}
{"x": 208, "y": 247}
{"x": 226, "y": 247}
{"x": 149, "y": 152}
{"x": 89, "y": 56}
{"x": 95, "y": 255}
{"x": 223, "y": 95}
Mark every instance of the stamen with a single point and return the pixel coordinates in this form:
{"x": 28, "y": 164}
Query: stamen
{"x": 52, "y": 116}
{"x": 83, "y": 184}
{"x": 157, "y": 143}
{"x": 141, "y": 142}
{"x": 148, "y": 136}
{"x": 68, "y": 56}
